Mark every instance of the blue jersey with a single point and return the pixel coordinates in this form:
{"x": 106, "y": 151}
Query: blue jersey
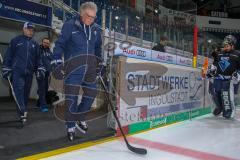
{"x": 227, "y": 63}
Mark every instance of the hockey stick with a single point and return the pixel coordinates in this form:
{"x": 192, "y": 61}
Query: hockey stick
{"x": 130, "y": 147}
{"x": 9, "y": 81}
{"x": 192, "y": 96}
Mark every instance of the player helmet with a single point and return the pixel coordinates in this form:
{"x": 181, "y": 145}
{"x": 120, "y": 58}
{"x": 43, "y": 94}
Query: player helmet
{"x": 230, "y": 39}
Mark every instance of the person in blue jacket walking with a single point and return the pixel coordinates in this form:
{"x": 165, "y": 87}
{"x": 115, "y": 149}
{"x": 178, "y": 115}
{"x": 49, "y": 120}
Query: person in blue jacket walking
{"x": 21, "y": 60}
{"x": 43, "y": 84}
{"x": 80, "y": 42}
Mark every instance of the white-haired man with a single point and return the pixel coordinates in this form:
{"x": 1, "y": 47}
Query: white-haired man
{"x": 80, "y": 42}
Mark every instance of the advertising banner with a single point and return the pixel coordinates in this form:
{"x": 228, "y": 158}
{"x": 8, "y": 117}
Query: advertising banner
{"x": 126, "y": 48}
{"x": 164, "y": 57}
{"x": 184, "y": 61}
{"x": 151, "y": 90}
{"x": 26, "y": 11}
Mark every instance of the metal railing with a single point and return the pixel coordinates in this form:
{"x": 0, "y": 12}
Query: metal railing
{"x": 127, "y": 23}
{"x": 64, "y": 6}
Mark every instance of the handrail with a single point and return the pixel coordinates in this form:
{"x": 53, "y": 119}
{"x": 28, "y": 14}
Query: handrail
{"x": 64, "y": 6}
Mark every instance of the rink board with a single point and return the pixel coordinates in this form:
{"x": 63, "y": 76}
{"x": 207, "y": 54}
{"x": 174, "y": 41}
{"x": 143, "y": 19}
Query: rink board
{"x": 152, "y": 94}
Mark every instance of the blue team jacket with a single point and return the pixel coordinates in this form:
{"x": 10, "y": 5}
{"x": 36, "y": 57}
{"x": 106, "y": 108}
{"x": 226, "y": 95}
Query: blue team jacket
{"x": 23, "y": 55}
{"x": 77, "y": 39}
{"x": 46, "y": 55}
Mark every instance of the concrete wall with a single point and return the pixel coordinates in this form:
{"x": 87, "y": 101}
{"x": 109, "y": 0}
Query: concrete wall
{"x": 223, "y": 23}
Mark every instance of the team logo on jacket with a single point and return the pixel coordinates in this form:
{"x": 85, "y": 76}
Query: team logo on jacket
{"x": 19, "y": 44}
{"x": 223, "y": 65}
{"x": 33, "y": 46}
{"x": 224, "y": 58}
{"x": 95, "y": 33}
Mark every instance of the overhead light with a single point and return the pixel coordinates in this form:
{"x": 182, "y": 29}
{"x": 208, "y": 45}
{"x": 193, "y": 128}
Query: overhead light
{"x": 138, "y": 17}
{"x": 116, "y": 17}
{"x": 209, "y": 41}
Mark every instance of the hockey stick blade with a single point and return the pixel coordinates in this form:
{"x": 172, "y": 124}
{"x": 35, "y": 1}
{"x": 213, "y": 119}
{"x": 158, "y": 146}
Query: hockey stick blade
{"x": 192, "y": 96}
{"x": 142, "y": 151}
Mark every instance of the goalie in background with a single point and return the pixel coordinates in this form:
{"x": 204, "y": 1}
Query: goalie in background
{"x": 226, "y": 72}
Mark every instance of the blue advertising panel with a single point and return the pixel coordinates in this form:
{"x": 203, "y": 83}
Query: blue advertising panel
{"x": 24, "y": 10}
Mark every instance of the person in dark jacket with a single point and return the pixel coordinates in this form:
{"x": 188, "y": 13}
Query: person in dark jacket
{"x": 161, "y": 45}
{"x": 43, "y": 84}
{"x": 226, "y": 72}
{"x": 21, "y": 60}
{"x": 80, "y": 42}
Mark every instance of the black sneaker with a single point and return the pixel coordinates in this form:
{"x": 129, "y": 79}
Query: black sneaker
{"x": 23, "y": 118}
{"x": 82, "y": 126}
{"x": 217, "y": 111}
{"x": 71, "y": 134}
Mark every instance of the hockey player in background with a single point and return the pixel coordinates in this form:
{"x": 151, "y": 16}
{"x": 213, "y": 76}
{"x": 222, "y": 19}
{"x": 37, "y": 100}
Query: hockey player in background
{"x": 21, "y": 60}
{"x": 226, "y": 71}
{"x": 43, "y": 84}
